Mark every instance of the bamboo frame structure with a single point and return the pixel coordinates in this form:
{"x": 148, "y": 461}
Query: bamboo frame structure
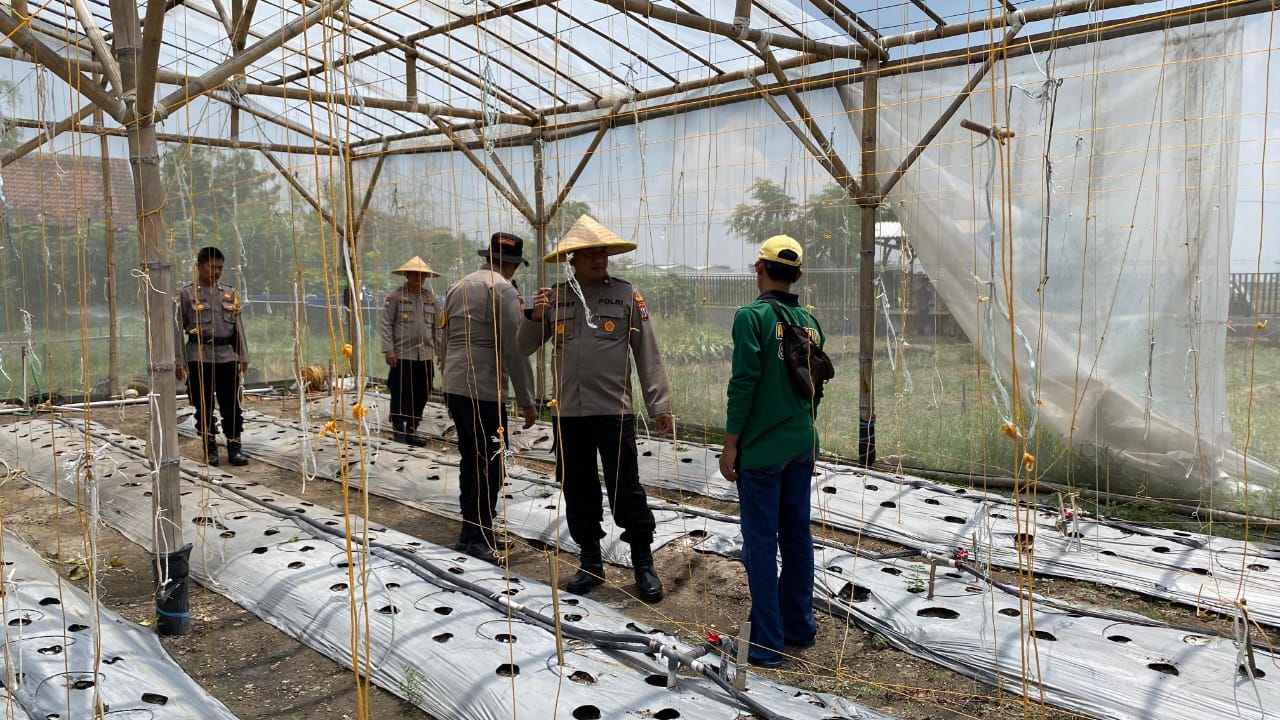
{"x": 122, "y": 83}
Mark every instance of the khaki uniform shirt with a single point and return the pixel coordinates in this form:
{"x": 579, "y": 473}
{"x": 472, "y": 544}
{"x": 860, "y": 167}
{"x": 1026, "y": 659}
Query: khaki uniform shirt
{"x": 591, "y": 367}
{"x": 409, "y": 324}
{"x": 211, "y": 317}
{"x": 481, "y": 318}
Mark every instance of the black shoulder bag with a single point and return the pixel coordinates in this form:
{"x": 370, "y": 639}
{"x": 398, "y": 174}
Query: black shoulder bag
{"x": 808, "y": 367}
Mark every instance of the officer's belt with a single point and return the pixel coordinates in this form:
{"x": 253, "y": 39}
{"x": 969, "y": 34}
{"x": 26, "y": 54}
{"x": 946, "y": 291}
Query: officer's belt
{"x": 196, "y": 340}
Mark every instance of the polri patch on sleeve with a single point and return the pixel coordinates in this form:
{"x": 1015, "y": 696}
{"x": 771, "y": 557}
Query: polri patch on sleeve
{"x": 644, "y": 311}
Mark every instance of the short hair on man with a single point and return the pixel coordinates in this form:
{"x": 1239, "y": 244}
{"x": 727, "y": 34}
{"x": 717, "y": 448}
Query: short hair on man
{"x": 781, "y": 272}
{"x": 210, "y": 253}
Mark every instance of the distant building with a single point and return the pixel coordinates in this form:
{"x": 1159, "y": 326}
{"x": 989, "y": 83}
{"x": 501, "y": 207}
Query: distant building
{"x": 65, "y": 191}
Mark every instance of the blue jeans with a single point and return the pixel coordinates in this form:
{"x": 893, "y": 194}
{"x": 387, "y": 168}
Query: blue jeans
{"x": 775, "y": 518}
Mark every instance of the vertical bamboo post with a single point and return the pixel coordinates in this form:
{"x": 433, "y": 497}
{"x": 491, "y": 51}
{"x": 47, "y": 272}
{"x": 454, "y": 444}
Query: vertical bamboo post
{"x": 109, "y": 230}
{"x": 869, "y": 201}
{"x": 171, "y": 554}
{"x": 540, "y": 235}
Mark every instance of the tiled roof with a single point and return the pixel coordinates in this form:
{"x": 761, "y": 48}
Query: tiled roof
{"x": 67, "y": 189}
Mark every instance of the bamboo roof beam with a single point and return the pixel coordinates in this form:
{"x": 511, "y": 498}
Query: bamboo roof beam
{"x": 177, "y": 138}
{"x": 995, "y": 22}
{"x": 591, "y": 28}
{"x": 514, "y": 67}
{"x": 358, "y": 222}
{"x": 406, "y": 106}
{"x": 148, "y": 61}
{"x": 248, "y": 106}
{"x": 867, "y": 27}
{"x": 842, "y": 177}
{"x": 511, "y": 194}
{"x": 20, "y": 34}
{"x": 243, "y": 21}
{"x": 717, "y": 27}
{"x": 605, "y": 124}
{"x": 412, "y": 38}
{"x": 960, "y": 99}
{"x": 839, "y": 16}
{"x": 237, "y": 63}
{"x": 937, "y": 19}
{"x": 391, "y": 42}
{"x": 301, "y": 190}
{"x": 99, "y": 43}
{"x": 739, "y": 36}
{"x": 833, "y": 162}
{"x": 45, "y": 135}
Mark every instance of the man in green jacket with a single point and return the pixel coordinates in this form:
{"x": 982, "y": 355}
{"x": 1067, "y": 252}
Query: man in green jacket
{"x": 769, "y": 451}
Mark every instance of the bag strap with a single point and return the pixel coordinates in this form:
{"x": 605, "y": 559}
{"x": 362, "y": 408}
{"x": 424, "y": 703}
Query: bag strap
{"x": 781, "y": 315}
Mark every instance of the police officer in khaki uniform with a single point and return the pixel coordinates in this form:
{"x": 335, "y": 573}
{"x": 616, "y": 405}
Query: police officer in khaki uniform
{"x": 409, "y": 330}
{"x": 594, "y": 343}
{"x": 482, "y": 315}
{"x": 211, "y": 338}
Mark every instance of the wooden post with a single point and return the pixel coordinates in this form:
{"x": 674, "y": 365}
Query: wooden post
{"x": 170, "y": 553}
{"x": 109, "y": 230}
{"x": 869, "y": 201}
{"x": 540, "y": 241}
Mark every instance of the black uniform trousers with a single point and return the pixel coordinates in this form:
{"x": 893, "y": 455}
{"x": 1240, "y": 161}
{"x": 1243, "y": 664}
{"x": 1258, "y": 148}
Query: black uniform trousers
{"x": 207, "y": 381}
{"x": 409, "y": 383}
{"x": 480, "y": 467}
{"x": 613, "y": 437}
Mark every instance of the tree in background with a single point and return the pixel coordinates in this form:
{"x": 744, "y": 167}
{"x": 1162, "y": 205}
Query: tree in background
{"x": 223, "y": 198}
{"x": 827, "y": 223}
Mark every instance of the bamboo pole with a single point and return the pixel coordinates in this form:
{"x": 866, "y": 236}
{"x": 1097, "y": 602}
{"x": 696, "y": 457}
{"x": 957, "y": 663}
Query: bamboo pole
{"x": 368, "y": 194}
{"x": 544, "y": 215}
{"x": 605, "y": 123}
{"x": 109, "y": 230}
{"x": 110, "y": 67}
{"x": 215, "y": 77}
{"x": 170, "y": 551}
{"x": 517, "y": 202}
{"x": 19, "y": 33}
{"x": 92, "y": 129}
{"x": 44, "y": 136}
{"x": 648, "y": 9}
{"x": 960, "y": 99}
{"x": 866, "y": 266}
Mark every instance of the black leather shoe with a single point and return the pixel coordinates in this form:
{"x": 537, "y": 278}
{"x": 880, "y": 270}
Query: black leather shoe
{"x": 581, "y": 582}
{"x": 648, "y": 586}
{"x": 480, "y": 549}
{"x": 234, "y": 457}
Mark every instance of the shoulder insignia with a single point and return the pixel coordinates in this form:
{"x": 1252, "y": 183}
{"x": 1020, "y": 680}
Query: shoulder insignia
{"x": 390, "y": 296}
{"x": 639, "y": 301}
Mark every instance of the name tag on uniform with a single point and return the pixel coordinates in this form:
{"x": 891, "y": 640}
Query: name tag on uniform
{"x": 199, "y": 306}
{"x": 404, "y": 316}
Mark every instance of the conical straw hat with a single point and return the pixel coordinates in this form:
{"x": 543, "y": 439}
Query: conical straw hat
{"x": 586, "y": 233}
{"x": 415, "y": 265}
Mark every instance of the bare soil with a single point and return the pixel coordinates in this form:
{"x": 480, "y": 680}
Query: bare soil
{"x": 262, "y": 674}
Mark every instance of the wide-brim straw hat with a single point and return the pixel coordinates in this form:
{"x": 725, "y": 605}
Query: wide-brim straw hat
{"x": 587, "y": 234}
{"x": 416, "y": 265}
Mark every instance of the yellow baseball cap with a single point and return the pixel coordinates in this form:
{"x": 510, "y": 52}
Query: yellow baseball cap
{"x": 782, "y": 249}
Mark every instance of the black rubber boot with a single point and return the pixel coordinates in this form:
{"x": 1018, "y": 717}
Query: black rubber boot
{"x": 211, "y": 452}
{"x": 648, "y": 586}
{"x": 397, "y": 432}
{"x": 233, "y": 454}
{"x": 590, "y": 570}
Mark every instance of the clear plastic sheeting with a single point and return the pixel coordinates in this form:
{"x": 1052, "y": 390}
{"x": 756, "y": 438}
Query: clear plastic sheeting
{"x": 1088, "y": 255}
{"x": 453, "y": 653}
{"x": 529, "y": 506}
{"x": 54, "y": 638}
{"x": 1116, "y": 665}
